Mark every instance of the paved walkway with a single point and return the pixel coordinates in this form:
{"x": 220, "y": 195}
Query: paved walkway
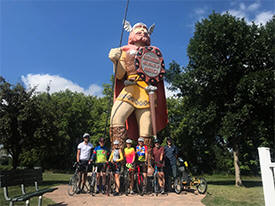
{"x": 61, "y": 197}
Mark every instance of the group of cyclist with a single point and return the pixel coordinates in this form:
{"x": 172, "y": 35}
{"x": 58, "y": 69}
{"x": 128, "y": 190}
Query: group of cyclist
{"x": 163, "y": 159}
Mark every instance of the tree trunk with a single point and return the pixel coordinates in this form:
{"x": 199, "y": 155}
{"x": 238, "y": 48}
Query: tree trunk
{"x": 14, "y": 162}
{"x": 238, "y": 181}
{"x": 15, "y": 159}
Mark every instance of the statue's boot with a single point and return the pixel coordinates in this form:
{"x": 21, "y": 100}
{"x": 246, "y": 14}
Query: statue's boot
{"x": 118, "y": 133}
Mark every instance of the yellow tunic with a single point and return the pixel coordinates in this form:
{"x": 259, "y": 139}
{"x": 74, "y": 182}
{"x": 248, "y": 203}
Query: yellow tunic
{"x": 135, "y": 95}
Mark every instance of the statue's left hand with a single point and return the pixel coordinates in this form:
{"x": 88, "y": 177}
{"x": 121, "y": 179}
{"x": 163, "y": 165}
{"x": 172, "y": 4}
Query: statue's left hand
{"x": 115, "y": 54}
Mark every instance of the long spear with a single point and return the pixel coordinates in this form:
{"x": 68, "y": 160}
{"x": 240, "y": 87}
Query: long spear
{"x": 114, "y": 79}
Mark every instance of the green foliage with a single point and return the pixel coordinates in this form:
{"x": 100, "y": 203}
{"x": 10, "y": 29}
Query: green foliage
{"x": 18, "y": 119}
{"x": 43, "y": 129}
{"x": 226, "y": 93}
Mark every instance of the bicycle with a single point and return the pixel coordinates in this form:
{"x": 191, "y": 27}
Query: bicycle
{"x": 139, "y": 179}
{"x": 155, "y": 181}
{"x": 127, "y": 178}
{"x": 184, "y": 180}
{"x": 92, "y": 180}
{"x": 110, "y": 180}
{"x": 74, "y": 180}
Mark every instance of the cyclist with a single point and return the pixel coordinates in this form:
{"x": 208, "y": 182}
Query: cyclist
{"x": 142, "y": 157}
{"x": 84, "y": 152}
{"x": 100, "y": 155}
{"x": 116, "y": 157}
{"x": 170, "y": 154}
{"x": 129, "y": 153}
{"x": 158, "y": 157}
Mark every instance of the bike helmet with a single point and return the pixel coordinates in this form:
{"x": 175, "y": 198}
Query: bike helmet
{"x": 156, "y": 141}
{"x": 141, "y": 139}
{"x": 129, "y": 141}
{"x": 101, "y": 139}
{"x": 86, "y": 135}
{"x": 116, "y": 142}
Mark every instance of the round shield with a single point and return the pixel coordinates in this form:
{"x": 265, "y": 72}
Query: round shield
{"x": 150, "y": 64}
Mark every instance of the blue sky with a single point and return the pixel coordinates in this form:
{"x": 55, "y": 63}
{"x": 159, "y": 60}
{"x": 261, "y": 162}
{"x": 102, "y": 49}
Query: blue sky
{"x": 65, "y": 43}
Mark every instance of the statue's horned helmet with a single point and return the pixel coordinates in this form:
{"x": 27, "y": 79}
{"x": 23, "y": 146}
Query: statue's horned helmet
{"x": 129, "y": 28}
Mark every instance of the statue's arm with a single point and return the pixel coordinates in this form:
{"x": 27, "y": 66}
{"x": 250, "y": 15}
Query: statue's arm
{"x": 117, "y": 56}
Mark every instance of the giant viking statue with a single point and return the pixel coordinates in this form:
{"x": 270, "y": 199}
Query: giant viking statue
{"x": 139, "y": 67}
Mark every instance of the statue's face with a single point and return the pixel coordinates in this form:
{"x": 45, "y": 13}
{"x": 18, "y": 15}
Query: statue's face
{"x": 139, "y": 36}
{"x": 140, "y": 30}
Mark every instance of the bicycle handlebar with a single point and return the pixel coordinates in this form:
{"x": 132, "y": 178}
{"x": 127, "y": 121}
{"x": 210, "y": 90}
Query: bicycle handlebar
{"x": 75, "y": 164}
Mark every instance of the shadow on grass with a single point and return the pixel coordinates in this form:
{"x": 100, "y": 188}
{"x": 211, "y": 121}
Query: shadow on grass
{"x": 246, "y": 183}
{"x": 59, "y": 204}
{"x": 54, "y": 182}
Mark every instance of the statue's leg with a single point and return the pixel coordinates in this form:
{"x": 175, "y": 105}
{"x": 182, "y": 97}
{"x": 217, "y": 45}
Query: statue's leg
{"x": 120, "y": 112}
{"x": 145, "y": 130}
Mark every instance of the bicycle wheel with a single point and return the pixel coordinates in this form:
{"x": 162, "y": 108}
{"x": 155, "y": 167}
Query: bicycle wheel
{"x": 155, "y": 184}
{"x": 108, "y": 184}
{"x": 73, "y": 185}
{"x": 202, "y": 187}
{"x": 92, "y": 184}
{"x": 126, "y": 182}
{"x": 113, "y": 184}
{"x": 178, "y": 185}
{"x": 139, "y": 183}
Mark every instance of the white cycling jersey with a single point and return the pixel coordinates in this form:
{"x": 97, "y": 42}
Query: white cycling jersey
{"x": 85, "y": 150}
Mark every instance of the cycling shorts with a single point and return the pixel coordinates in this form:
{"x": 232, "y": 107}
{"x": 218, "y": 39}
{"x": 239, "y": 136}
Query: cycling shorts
{"x": 84, "y": 166}
{"x": 101, "y": 167}
{"x": 115, "y": 168}
{"x": 142, "y": 166}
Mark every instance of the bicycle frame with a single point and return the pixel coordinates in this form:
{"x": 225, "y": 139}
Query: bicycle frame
{"x": 140, "y": 177}
{"x": 92, "y": 180}
{"x": 110, "y": 176}
{"x": 156, "y": 180}
{"x": 75, "y": 181}
{"x": 188, "y": 181}
{"x": 127, "y": 178}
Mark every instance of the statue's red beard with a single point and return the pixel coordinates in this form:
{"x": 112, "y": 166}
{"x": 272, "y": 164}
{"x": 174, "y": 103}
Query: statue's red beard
{"x": 141, "y": 38}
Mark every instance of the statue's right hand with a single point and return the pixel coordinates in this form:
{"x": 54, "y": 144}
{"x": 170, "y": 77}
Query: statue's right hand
{"x": 115, "y": 54}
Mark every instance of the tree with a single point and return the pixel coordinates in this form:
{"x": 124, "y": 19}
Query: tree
{"x": 227, "y": 85}
{"x": 66, "y": 116}
{"x": 18, "y": 118}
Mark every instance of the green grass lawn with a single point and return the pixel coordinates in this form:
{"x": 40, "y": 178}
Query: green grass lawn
{"x": 49, "y": 180}
{"x": 222, "y": 191}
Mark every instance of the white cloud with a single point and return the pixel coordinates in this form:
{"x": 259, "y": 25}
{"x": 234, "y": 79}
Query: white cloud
{"x": 253, "y": 6}
{"x": 237, "y": 13}
{"x": 242, "y": 6}
{"x": 263, "y": 17}
{"x": 251, "y": 12}
{"x": 57, "y": 83}
{"x": 200, "y": 11}
{"x": 169, "y": 93}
